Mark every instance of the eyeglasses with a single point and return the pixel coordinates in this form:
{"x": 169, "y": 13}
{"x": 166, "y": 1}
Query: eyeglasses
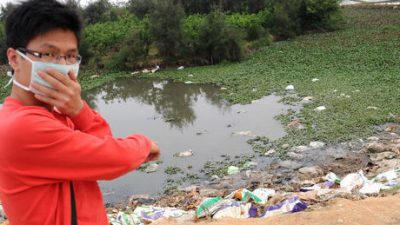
{"x": 52, "y": 57}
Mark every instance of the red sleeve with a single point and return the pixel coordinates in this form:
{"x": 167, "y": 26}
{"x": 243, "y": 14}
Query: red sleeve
{"x": 42, "y": 147}
{"x": 90, "y": 122}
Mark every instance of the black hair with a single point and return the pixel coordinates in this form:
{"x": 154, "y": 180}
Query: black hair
{"x": 36, "y": 17}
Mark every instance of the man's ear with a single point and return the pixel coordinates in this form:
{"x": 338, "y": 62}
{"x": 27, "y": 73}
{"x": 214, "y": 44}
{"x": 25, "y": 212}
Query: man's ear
{"x": 12, "y": 56}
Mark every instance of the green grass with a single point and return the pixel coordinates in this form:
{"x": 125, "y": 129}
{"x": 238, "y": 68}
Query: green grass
{"x": 363, "y": 56}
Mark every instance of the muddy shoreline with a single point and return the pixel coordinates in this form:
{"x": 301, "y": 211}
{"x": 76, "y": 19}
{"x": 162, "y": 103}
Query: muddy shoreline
{"x": 303, "y": 166}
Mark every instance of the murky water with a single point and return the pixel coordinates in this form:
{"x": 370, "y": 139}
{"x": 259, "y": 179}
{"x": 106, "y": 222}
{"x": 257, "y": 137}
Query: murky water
{"x": 179, "y": 117}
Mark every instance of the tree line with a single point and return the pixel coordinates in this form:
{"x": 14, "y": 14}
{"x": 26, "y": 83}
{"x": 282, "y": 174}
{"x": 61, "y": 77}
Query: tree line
{"x": 142, "y": 33}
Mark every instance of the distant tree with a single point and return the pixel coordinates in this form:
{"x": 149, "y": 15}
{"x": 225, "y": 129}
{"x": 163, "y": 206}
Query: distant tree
{"x": 233, "y": 5}
{"x": 196, "y": 6}
{"x": 75, "y": 4}
{"x": 97, "y": 11}
{"x": 134, "y": 50}
{"x": 140, "y": 7}
{"x": 284, "y": 21}
{"x": 321, "y": 14}
{"x": 166, "y": 27}
{"x": 255, "y": 6}
{"x": 206, "y": 6}
{"x": 218, "y": 40}
{"x": 5, "y": 10}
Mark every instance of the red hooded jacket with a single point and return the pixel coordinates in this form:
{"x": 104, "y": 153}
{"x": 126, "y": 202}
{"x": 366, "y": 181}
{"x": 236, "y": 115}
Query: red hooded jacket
{"x": 41, "y": 152}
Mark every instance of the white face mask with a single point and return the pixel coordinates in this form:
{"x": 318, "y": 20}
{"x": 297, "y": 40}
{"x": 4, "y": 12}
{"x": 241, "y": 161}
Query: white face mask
{"x": 43, "y": 66}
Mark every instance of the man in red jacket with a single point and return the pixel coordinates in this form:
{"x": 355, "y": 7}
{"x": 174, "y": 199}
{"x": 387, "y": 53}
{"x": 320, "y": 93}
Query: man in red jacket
{"x": 53, "y": 147}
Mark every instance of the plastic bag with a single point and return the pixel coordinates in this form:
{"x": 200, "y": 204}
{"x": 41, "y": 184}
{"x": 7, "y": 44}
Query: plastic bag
{"x": 245, "y": 195}
{"x": 353, "y": 180}
{"x": 208, "y": 207}
{"x": 145, "y": 214}
{"x": 289, "y": 205}
{"x": 233, "y": 210}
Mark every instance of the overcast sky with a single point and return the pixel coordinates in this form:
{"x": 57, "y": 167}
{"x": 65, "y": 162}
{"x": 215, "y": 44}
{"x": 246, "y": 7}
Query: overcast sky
{"x": 83, "y": 2}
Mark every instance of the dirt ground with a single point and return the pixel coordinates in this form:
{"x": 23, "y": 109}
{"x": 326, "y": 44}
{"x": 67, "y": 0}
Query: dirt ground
{"x": 371, "y": 211}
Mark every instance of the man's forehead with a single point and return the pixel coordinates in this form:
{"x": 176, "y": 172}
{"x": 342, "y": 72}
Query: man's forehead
{"x": 59, "y": 48}
{"x": 57, "y": 39}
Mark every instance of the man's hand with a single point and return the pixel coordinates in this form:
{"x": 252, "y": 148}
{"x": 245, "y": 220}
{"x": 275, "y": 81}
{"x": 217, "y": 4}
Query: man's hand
{"x": 154, "y": 153}
{"x": 66, "y": 92}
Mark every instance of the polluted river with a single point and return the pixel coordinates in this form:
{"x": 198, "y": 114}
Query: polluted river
{"x": 180, "y": 117}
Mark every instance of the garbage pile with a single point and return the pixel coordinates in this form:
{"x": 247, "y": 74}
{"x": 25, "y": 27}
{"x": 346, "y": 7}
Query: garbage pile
{"x": 239, "y": 204}
{"x": 263, "y": 202}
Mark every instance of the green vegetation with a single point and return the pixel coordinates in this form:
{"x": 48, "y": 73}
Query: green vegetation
{"x": 171, "y": 170}
{"x": 220, "y": 168}
{"x": 167, "y": 33}
{"x": 140, "y": 34}
{"x": 260, "y": 145}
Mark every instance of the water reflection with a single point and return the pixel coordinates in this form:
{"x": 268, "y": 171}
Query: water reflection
{"x": 173, "y": 101}
{"x": 179, "y": 117}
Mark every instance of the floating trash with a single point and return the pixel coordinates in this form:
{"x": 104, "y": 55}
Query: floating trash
{"x": 151, "y": 168}
{"x": 187, "y": 153}
{"x": 244, "y": 133}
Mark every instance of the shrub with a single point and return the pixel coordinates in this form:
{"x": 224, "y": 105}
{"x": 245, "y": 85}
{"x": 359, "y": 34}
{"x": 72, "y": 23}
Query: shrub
{"x": 85, "y": 51}
{"x": 321, "y": 14}
{"x": 191, "y": 37}
{"x": 250, "y": 24}
{"x": 206, "y": 6}
{"x": 96, "y": 11}
{"x": 191, "y": 26}
{"x": 255, "y": 45}
{"x": 284, "y": 20}
{"x": 140, "y": 7}
{"x": 104, "y": 36}
{"x": 166, "y": 28}
{"x": 133, "y": 52}
{"x": 218, "y": 40}
{"x": 291, "y": 17}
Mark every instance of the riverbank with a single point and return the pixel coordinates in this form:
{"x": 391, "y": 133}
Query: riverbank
{"x": 371, "y": 211}
{"x": 346, "y": 78}
{"x": 366, "y": 169}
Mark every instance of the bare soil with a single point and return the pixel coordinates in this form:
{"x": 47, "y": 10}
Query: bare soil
{"x": 371, "y": 211}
